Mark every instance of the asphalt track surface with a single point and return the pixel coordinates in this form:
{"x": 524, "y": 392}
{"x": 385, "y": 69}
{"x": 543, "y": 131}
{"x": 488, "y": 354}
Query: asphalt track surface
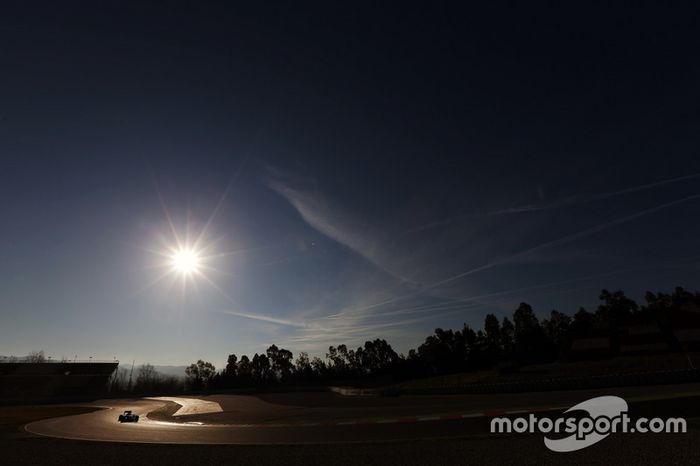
{"x": 102, "y": 425}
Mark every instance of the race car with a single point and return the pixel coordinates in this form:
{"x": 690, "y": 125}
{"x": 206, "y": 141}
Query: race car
{"x": 128, "y": 416}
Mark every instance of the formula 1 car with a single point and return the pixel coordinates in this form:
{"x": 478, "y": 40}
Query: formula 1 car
{"x": 128, "y": 416}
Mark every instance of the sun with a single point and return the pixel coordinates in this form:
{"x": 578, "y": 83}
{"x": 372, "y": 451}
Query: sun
{"x": 188, "y": 255}
{"x": 185, "y": 261}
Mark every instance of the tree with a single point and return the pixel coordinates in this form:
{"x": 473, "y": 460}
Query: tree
{"x": 303, "y": 370}
{"x": 148, "y": 380}
{"x": 492, "y": 338}
{"x": 557, "y": 326}
{"x": 508, "y": 337}
{"x": 447, "y": 350}
{"x": 231, "y": 368}
{"x": 616, "y": 306}
{"x": 557, "y": 330}
{"x": 378, "y": 356}
{"x": 682, "y": 299}
{"x": 337, "y": 363}
{"x": 343, "y": 358}
{"x": 260, "y": 368}
{"x": 244, "y": 369}
{"x": 319, "y": 366}
{"x": 615, "y": 309}
{"x": 530, "y": 341}
{"x": 525, "y": 320}
{"x": 355, "y": 362}
{"x": 661, "y": 307}
{"x": 118, "y": 381}
{"x": 145, "y": 378}
{"x": 228, "y": 375}
{"x": 435, "y": 353}
{"x": 582, "y": 323}
{"x": 280, "y": 362}
{"x": 200, "y": 374}
{"x": 36, "y": 356}
{"x": 469, "y": 351}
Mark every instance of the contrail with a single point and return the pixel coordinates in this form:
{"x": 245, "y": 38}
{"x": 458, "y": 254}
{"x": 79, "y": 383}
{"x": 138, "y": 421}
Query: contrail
{"x": 567, "y": 239}
{"x": 466, "y": 302}
{"x": 571, "y": 200}
{"x": 557, "y": 242}
{"x": 596, "y": 197}
{"x": 470, "y": 299}
{"x": 264, "y": 318}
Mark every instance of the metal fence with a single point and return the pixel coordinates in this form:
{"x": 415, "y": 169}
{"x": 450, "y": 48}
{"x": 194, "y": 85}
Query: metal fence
{"x": 30, "y": 360}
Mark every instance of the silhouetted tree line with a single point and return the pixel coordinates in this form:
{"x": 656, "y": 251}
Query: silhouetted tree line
{"x": 504, "y": 344}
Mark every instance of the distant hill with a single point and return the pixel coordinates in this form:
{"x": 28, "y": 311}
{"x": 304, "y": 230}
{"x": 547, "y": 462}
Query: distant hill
{"x": 177, "y": 371}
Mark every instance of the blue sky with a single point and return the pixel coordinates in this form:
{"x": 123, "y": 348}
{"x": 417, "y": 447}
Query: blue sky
{"x": 355, "y": 182}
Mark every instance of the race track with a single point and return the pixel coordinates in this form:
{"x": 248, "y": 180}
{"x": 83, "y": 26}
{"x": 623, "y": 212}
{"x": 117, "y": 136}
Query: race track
{"x": 102, "y": 425}
{"x": 254, "y": 420}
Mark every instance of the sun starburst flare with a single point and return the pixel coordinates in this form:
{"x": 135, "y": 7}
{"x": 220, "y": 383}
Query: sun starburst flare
{"x": 189, "y": 255}
{"x": 185, "y": 261}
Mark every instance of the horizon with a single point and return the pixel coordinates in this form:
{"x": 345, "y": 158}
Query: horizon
{"x": 166, "y": 369}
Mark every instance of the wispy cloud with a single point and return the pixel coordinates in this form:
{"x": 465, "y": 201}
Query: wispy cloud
{"x": 339, "y": 226}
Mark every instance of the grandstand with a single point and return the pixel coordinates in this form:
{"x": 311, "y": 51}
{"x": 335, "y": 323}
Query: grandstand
{"x": 23, "y": 381}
